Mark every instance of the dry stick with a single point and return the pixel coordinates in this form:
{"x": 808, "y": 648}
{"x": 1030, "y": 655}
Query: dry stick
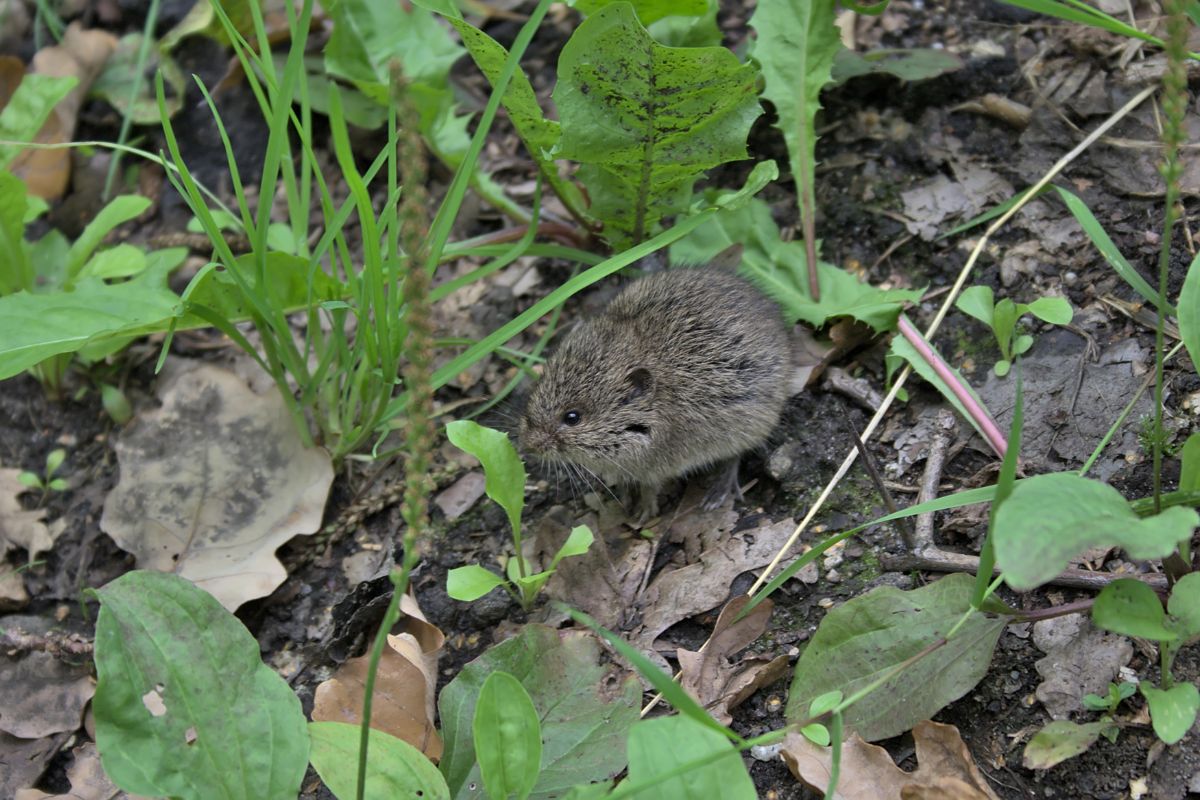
{"x": 1137, "y": 100}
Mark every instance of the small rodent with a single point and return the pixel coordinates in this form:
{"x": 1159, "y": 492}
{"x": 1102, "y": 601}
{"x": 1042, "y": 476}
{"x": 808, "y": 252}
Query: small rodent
{"x": 683, "y": 369}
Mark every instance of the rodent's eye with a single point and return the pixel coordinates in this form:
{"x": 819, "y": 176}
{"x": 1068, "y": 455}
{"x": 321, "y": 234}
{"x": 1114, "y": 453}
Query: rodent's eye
{"x": 572, "y": 418}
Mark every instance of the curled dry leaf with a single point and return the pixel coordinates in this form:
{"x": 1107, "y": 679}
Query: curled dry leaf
{"x": 213, "y": 482}
{"x": 944, "y": 770}
{"x": 713, "y": 678}
{"x": 405, "y": 685}
{"x": 81, "y": 54}
{"x": 20, "y": 528}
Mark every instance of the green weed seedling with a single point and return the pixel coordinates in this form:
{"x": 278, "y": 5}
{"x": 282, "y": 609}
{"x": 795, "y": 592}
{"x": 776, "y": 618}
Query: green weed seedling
{"x": 505, "y": 484}
{"x": 1132, "y": 608}
{"x": 1117, "y": 694}
{"x": 1002, "y": 318}
{"x": 46, "y": 482}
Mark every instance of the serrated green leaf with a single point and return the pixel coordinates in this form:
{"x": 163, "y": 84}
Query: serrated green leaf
{"x": 394, "y": 767}
{"x": 577, "y": 543}
{"x": 471, "y": 582}
{"x": 184, "y": 705}
{"x": 27, "y": 110}
{"x": 795, "y": 43}
{"x": 648, "y": 11}
{"x": 1172, "y": 711}
{"x": 1050, "y": 519}
{"x": 504, "y": 472}
{"x": 585, "y": 718}
{"x": 645, "y": 121}
{"x": 1132, "y": 608}
{"x": 507, "y": 737}
{"x": 1059, "y": 741}
{"x": 657, "y": 746}
{"x": 866, "y": 637}
{"x": 773, "y": 265}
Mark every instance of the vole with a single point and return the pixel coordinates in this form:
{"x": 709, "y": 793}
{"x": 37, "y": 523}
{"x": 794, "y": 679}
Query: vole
{"x": 683, "y": 369}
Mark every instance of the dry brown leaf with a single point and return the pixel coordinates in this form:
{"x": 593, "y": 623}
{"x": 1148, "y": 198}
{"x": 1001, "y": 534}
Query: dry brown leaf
{"x": 213, "y": 482}
{"x": 710, "y": 676}
{"x": 41, "y": 695}
{"x": 88, "y": 781}
{"x": 944, "y": 770}
{"x": 405, "y": 685}
{"x": 18, "y": 527}
{"x": 80, "y": 54}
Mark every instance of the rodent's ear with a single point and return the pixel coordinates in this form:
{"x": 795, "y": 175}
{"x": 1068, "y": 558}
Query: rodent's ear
{"x": 640, "y": 381}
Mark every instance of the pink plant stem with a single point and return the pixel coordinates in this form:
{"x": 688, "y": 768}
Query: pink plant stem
{"x": 978, "y": 413}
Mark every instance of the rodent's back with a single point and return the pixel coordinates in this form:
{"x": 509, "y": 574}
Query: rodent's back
{"x": 683, "y": 369}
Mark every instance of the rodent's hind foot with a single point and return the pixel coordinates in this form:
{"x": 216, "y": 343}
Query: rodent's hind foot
{"x": 725, "y": 485}
{"x": 640, "y": 503}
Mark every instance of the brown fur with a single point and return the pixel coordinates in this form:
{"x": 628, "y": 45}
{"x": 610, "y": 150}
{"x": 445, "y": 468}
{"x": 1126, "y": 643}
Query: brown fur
{"x": 683, "y": 369}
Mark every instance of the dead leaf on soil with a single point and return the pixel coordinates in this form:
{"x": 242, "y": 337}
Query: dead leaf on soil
{"x": 42, "y": 695}
{"x": 20, "y": 528}
{"x": 22, "y": 761}
{"x": 1080, "y": 659}
{"x": 944, "y": 770}
{"x": 88, "y": 781}
{"x": 457, "y": 499}
{"x": 712, "y": 677}
{"x": 405, "y": 685}
{"x": 81, "y": 54}
{"x": 213, "y": 482}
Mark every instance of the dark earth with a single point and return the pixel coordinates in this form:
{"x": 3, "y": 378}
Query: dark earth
{"x": 881, "y": 138}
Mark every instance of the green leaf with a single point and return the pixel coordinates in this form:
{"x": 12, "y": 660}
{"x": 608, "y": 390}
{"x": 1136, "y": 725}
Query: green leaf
{"x": 1132, "y": 608}
{"x": 1004, "y": 322}
{"x": 115, "y": 403}
{"x": 293, "y": 285}
{"x": 508, "y": 737}
{"x": 773, "y": 265}
{"x": 1002, "y": 367}
{"x": 1050, "y": 519}
{"x": 825, "y": 703}
{"x": 1059, "y": 741}
{"x": 904, "y": 349}
{"x": 658, "y": 746}
{"x": 816, "y": 733}
{"x": 1100, "y": 239}
{"x": 119, "y": 211}
{"x": 577, "y": 543}
{"x": 977, "y": 302}
{"x": 504, "y": 472}
{"x": 394, "y": 767}
{"x": 1189, "y": 311}
{"x": 368, "y": 34}
{"x": 648, "y": 11}
{"x": 1172, "y": 711}
{"x": 34, "y": 327}
{"x": 795, "y": 42}
{"x": 1184, "y": 605}
{"x": 695, "y": 31}
{"x": 121, "y": 261}
{"x": 471, "y": 582}
{"x": 585, "y": 716}
{"x": 116, "y": 81}
{"x": 866, "y": 637}
{"x": 27, "y": 110}
{"x": 184, "y": 705}
{"x": 907, "y": 65}
{"x": 645, "y": 120}
{"x": 1055, "y": 310}
{"x": 1189, "y": 467}
{"x": 54, "y": 460}
{"x": 29, "y": 479}
{"x": 16, "y": 267}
